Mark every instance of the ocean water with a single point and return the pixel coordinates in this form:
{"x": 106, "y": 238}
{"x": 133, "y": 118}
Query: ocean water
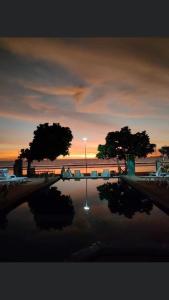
{"x": 142, "y": 165}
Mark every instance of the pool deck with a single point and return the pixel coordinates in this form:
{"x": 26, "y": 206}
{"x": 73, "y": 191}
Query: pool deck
{"x": 90, "y": 177}
{"x": 154, "y": 190}
{"x": 16, "y": 194}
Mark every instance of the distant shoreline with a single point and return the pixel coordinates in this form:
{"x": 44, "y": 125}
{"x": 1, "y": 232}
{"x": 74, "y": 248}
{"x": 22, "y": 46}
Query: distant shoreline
{"x": 57, "y": 164}
{"x": 142, "y": 165}
{"x": 2, "y": 161}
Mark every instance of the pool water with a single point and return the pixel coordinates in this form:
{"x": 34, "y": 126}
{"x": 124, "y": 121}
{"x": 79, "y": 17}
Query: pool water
{"x": 54, "y": 224}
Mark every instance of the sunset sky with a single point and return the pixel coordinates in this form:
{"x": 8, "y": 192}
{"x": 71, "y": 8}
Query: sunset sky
{"x": 92, "y": 85}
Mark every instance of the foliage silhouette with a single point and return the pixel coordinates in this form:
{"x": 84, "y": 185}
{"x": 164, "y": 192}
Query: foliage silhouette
{"x": 26, "y": 153}
{"x": 124, "y": 200}
{"x": 164, "y": 150}
{"x": 51, "y": 209}
{"x": 121, "y": 143}
{"x": 49, "y": 142}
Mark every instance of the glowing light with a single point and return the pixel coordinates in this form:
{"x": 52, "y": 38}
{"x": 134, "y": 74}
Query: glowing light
{"x": 84, "y": 139}
{"x": 86, "y": 207}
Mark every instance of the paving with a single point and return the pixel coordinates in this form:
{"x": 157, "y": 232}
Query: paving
{"x": 156, "y": 190}
{"x": 16, "y": 194}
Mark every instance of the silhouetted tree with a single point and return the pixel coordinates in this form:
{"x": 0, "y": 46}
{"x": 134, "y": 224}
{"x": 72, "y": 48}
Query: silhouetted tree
{"x": 17, "y": 167}
{"x": 49, "y": 142}
{"x": 26, "y": 153}
{"x": 121, "y": 143}
{"x": 124, "y": 200}
{"x": 164, "y": 151}
{"x": 102, "y": 152}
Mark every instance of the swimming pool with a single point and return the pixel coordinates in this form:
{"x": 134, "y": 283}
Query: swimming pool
{"x": 55, "y": 223}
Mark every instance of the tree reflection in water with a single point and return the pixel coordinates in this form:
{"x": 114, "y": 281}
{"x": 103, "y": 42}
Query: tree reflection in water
{"x": 51, "y": 209}
{"x": 124, "y": 200}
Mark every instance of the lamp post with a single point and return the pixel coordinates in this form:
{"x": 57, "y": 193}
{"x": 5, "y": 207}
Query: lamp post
{"x": 85, "y": 140}
{"x": 86, "y": 207}
{"x": 117, "y": 157}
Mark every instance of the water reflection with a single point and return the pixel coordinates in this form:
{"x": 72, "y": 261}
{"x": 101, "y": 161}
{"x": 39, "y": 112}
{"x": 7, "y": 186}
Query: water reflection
{"x": 86, "y": 206}
{"x": 3, "y": 220}
{"x": 124, "y": 200}
{"x": 51, "y": 209}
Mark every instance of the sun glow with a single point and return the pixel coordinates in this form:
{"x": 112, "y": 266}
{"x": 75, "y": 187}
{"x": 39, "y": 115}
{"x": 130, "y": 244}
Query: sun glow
{"x": 78, "y": 156}
{"x": 8, "y": 154}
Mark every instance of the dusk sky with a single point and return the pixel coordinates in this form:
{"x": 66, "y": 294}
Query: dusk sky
{"x": 92, "y": 85}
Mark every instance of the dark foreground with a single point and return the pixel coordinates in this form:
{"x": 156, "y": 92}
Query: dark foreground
{"x": 53, "y": 225}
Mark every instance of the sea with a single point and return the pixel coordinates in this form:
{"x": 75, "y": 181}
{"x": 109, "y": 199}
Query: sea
{"x": 91, "y": 164}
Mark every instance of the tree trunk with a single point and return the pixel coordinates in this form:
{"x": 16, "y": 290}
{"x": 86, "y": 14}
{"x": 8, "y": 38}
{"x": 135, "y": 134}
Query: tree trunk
{"x": 125, "y": 162}
{"x": 118, "y": 164}
{"x": 130, "y": 164}
{"x": 29, "y": 167}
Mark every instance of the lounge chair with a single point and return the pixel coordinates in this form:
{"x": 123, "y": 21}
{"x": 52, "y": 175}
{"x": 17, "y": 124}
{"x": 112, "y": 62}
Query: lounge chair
{"x": 105, "y": 173}
{"x": 152, "y": 174}
{"x": 67, "y": 175}
{"x": 93, "y": 174}
{"x": 78, "y": 174}
{"x": 164, "y": 174}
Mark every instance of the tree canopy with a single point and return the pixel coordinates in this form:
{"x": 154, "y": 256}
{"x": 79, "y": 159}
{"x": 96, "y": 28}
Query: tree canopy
{"x": 26, "y": 153}
{"x": 122, "y": 143}
{"x": 164, "y": 150}
{"x": 49, "y": 142}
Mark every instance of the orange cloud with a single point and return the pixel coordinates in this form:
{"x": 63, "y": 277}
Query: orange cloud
{"x": 76, "y": 92}
{"x": 125, "y": 83}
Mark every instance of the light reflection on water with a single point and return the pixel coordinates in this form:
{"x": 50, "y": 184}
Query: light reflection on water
{"x": 53, "y": 224}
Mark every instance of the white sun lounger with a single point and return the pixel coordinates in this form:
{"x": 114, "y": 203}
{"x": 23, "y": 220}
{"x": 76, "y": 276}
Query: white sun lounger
{"x": 78, "y": 174}
{"x": 93, "y": 174}
{"x": 67, "y": 175}
{"x": 105, "y": 173}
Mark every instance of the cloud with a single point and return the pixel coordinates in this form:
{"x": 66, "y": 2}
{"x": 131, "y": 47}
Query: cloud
{"x": 90, "y": 84}
{"x": 77, "y": 92}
